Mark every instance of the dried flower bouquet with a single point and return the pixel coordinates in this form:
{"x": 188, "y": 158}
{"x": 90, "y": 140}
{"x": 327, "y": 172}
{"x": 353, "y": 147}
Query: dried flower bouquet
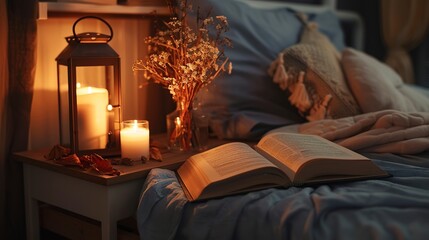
{"x": 184, "y": 57}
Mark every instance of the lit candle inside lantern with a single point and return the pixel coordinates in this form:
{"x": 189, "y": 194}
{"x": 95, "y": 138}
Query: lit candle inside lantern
{"x": 135, "y": 139}
{"x": 92, "y": 117}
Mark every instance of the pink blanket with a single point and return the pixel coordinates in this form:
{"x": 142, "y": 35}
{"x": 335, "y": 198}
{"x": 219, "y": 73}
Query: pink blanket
{"x": 383, "y": 131}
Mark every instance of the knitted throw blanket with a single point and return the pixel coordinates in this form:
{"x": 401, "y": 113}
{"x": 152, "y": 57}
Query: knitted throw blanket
{"x": 387, "y": 131}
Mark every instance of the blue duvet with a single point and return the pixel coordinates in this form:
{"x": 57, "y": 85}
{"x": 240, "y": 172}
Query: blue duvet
{"x": 391, "y": 208}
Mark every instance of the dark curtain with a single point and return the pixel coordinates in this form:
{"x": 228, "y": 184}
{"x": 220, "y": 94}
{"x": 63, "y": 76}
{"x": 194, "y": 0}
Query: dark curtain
{"x": 22, "y": 15}
{"x": 3, "y": 101}
{"x": 405, "y": 24}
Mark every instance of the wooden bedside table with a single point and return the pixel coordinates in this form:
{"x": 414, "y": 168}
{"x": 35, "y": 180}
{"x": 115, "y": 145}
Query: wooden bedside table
{"x": 87, "y": 193}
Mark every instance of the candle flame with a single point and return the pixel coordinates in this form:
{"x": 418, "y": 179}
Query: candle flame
{"x": 135, "y": 125}
{"x": 78, "y": 85}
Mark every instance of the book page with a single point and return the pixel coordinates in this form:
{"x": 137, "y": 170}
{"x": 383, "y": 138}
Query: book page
{"x": 226, "y": 169}
{"x": 294, "y": 150}
{"x": 229, "y": 160}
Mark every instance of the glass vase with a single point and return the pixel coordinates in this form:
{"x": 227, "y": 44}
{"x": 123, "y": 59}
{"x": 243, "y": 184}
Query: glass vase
{"x": 179, "y": 128}
{"x": 200, "y": 127}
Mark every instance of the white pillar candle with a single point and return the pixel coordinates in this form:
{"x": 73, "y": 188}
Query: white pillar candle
{"x": 92, "y": 117}
{"x": 135, "y": 139}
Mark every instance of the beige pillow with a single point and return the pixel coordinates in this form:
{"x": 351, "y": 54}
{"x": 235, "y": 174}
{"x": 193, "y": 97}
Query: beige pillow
{"x": 376, "y": 86}
{"x": 315, "y": 63}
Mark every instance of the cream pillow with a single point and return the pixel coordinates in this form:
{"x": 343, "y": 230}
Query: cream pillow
{"x": 312, "y": 74}
{"x": 376, "y": 86}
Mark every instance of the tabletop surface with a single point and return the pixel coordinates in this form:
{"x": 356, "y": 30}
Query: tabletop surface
{"x": 171, "y": 160}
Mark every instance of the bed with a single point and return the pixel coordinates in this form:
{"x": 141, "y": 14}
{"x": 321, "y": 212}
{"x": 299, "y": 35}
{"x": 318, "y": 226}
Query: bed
{"x": 256, "y": 99}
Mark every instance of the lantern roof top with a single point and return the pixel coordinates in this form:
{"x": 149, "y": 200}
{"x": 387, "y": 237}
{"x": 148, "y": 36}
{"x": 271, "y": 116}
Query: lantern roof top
{"x": 78, "y": 50}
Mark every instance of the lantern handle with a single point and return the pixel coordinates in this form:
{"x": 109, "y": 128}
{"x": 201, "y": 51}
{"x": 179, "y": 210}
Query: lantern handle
{"x": 95, "y": 17}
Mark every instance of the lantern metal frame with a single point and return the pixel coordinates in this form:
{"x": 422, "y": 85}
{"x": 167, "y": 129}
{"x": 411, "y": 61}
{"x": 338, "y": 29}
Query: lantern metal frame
{"x": 90, "y": 50}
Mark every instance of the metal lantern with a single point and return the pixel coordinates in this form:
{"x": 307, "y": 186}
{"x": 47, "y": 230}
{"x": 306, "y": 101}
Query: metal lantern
{"x": 88, "y": 72}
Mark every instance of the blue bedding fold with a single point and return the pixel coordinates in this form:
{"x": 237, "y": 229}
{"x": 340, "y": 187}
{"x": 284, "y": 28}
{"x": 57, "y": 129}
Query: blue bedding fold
{"x": 392, "y": 208}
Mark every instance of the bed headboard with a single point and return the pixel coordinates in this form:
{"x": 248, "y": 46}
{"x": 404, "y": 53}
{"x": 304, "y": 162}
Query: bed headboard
{"x": 351, "y": 22}
{"x": 247, "y": 103}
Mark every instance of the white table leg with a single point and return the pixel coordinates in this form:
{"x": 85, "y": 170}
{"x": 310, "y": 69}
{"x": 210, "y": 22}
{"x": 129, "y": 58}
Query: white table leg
{"x": 32, "y": 219}
{"x": 109, "y": 229}
{"x": 31, "y": 208}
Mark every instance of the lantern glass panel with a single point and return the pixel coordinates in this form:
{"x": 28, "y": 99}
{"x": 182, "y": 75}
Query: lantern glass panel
{"x": 93, "y": 76}
{"x": 92, "y": 98}
{"x": 97, "y": 107}
{"x": 95, "y": 121}
{"x": 64, "y": 104}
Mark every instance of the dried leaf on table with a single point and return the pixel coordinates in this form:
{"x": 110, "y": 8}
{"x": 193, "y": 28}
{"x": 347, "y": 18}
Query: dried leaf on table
{"x": 70, "y": 160}
{"x": 57, "y": 152}
{"x": 155, "y": 153}
{"x": 86, "y": 161}
{"x": 102, "y": 165}
{"x": 62, "y": 156}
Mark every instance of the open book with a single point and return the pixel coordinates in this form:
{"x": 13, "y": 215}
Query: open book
{"x": 279, "y": 159}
